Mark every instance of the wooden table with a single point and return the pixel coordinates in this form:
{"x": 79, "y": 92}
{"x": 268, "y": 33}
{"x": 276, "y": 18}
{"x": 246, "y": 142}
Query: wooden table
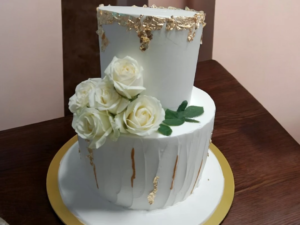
{"x": 264, "y": 158}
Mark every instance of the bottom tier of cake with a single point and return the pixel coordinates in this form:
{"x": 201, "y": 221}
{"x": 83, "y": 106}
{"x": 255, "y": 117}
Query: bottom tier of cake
{"x": 155, "y": 171}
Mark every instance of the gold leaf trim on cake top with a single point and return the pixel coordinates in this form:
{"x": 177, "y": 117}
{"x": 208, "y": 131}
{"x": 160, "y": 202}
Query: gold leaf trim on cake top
{"x": 152, "y": 194}
{"x": 91, "y": 158}
{"x": 144, "y": 25}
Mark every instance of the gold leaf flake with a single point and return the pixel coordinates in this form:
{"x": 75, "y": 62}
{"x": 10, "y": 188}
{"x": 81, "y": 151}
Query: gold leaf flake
{"x": 91, "y": 158}
{"x": 133, "y": 167}
{"x": 152, "y": 194}
{"x": 104, "y": 42}
{"x": 197, "y": 177}
{"x": 174, "y": 172}
{"x": 173, "y": 8}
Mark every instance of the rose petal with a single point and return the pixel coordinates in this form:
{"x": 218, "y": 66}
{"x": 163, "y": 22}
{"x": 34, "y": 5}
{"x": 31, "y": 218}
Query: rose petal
{"x": 115, "y": 131}
{"x": 120, "y": 122}
{"x": 122, "y": 105}
{"x": 92, "y": 125}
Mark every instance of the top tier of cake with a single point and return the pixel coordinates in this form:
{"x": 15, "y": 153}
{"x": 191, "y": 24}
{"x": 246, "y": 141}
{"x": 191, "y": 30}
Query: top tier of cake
{"x": 148, "y": 11}
{"x": 165, "y": 42}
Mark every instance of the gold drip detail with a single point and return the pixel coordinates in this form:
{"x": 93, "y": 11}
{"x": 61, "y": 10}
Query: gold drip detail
{"x": 174, "y": 172}
{"x": 104, "y": 42}
{"x": 91, "y": 158}
{"x": 144, "y": 26}
{"x": 197, "y": 177}
{"x": 133, "y": 167}
{"x": 152, "y": 194}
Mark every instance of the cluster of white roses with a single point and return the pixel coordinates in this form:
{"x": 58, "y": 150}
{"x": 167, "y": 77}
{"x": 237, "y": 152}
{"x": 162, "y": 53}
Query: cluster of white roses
{"x": 110, "y": 106}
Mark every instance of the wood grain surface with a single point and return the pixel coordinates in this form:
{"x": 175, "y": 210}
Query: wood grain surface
{"x": 264, "y": 158}
{"x": 208, "y": 7}
{"x": 81, "y": 55}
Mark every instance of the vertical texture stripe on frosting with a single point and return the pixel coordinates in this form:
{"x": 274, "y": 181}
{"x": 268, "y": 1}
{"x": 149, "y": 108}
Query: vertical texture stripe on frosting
{"x": 204, "y": 140}
{"x": 197, "y": 177}
{"x": 91, "y": 158}
{"x": 174, "y": 173}
{"x": 204, "y": 158}
{"x": 193, "y": 150}
{"x": 114, "y": 186}
{"x": 133, "y": 167}
{"x": 139, "y": 160}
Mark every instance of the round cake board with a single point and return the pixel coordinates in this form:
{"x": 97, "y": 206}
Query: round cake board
{"x": 77, "y": 203}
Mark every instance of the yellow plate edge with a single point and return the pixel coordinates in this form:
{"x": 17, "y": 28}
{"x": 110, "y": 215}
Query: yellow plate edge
{"x": 53, "y": 189}
{"x": 68, "y": 218}
{"x": 228, "y": 193}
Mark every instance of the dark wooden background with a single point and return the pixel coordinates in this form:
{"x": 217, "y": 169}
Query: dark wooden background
{"x": 81, "y": 57}
{"x": 80, "y": 43}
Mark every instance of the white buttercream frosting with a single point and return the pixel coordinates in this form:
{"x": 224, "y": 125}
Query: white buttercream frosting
{"x": 154, "y": 156}
{"x": 169, "y": 62}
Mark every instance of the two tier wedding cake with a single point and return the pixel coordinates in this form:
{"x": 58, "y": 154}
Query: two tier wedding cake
{"x": 143, "y": 128}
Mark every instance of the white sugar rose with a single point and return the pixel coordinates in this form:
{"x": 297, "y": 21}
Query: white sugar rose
{"x": 126, "y": 75}
{"x": 92, "y": 125}
{"x": 142, "y": 116}
{"x": 82, "y": 92}
{"x": 105, "y": 97}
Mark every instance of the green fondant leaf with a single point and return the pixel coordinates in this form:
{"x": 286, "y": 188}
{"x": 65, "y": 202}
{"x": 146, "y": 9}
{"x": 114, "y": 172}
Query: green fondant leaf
{"x": 164, "y": 130}
{"x": 191, "y": 120}
{"x": 182, "y": 107}
{"x": 193, "y": 111}
{"x": 174, "y": 122}
{"x": 170, "y": 114}
{"x": 180, "y": 115}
